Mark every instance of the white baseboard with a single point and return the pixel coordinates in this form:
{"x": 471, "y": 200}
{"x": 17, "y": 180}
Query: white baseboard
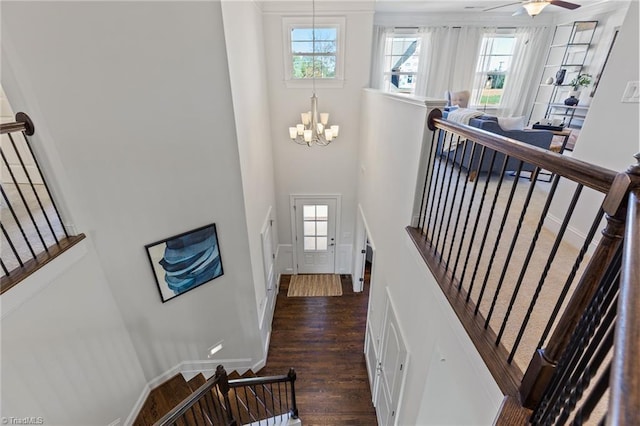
{"x": 284, "y": 259}
{"x": 572, "y": 235}
{"x": 345, "y": 251}
{"x": 138, "y": 406}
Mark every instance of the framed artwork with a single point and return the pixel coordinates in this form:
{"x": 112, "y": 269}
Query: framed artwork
{"x": 185, "y": 261}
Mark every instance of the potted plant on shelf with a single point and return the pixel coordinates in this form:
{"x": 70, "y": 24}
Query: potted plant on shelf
{"x": 579, "y": 81}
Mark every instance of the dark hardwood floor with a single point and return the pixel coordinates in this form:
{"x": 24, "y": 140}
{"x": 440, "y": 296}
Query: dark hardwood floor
{"x": 323, "y": 339}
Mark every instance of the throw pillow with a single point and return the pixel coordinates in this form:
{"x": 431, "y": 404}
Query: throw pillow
{"x": 512, "y": 123}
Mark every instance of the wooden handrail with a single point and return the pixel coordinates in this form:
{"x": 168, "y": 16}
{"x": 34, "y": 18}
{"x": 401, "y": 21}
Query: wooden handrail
{"x": 23, "y": 123}
{"x": 188, "y": 402}
{"x": 224, "y": 385}
{"x": 254, "y": 381}
{"x": 624, "y": 403}
{"x": 589, "y": 175}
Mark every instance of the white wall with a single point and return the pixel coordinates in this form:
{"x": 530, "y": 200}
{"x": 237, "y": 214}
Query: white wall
{"x": 610, "y": 136}
{"x": 444, "y": 360}
{"x": 245, "y": 49}
{"x": 66, "y": 353}
{"x": 135, "y": 98}
{"x": 318, "y": 170}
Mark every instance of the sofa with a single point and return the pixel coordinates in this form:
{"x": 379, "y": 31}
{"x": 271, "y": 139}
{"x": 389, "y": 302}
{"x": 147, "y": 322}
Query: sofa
{"x": 538, "y": 138}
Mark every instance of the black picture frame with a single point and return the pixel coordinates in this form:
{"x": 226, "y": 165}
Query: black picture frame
{"x": 185, "y": 261}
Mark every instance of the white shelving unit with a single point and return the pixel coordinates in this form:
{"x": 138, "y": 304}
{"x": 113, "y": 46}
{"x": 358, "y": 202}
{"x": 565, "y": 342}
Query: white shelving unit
{"x": 568, "y": 51}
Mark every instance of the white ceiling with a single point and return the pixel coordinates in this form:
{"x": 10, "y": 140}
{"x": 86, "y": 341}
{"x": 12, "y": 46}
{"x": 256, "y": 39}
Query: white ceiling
{"x": 470, "y": 7}
{"x": 457, "y": 6}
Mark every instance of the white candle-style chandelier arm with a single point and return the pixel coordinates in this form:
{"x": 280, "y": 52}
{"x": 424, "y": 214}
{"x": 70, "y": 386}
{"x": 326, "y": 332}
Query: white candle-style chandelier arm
{"x": 311, "y": 131}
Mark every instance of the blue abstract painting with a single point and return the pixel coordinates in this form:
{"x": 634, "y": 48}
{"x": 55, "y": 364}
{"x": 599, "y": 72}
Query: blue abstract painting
{"x": 185, "y": 261}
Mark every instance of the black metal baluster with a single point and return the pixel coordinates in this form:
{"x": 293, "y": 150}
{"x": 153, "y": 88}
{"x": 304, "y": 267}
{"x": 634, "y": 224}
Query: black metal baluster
{"x": 477, "y": 221}
{"x": 459, "y": 214}
{"x": 35, "y": 193}
{"x": 486, "y": 234}
{"x": 273, "y": 401}
{"x": 427, "y": 180}
{"x": 532, "y": 247}
{"x": 24, "y": 201}
{"x": 446, "y": 197}
{"x": 4, "y": 267}
{"x": 44, "y": 181}
{"x": 514, "y": 240}
{"x": 15, "y": 218}
{"x": 547, "y": 266}
{"x": 505, "y": 216}
{"x": 432, "y": 203}
{"x": 13, "y": 248}
{"x": 605, "y": 296}
{"x": 595, "y": 225}
{"x": 280, "y": 398}
{"x": 594, "y": 397}
{"x": 591, "y": 360}
{"x": 438, "y": 215}
{"x": 453, "y": 201}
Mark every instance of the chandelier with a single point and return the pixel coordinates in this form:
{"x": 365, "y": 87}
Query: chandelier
{"x": 311, "y": 131}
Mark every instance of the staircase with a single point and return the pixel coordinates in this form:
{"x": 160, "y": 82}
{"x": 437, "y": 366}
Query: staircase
{"x": 232, "y": 399}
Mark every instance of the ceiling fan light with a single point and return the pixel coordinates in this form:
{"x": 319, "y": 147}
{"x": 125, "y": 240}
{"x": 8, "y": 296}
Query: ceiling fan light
{"x": 535, "y": 7}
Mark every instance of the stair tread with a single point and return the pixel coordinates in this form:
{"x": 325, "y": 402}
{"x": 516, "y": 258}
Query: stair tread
{"x": 196, "y": 381}
{"x": 249, "y": 374}
{"x": 163, "y": 399}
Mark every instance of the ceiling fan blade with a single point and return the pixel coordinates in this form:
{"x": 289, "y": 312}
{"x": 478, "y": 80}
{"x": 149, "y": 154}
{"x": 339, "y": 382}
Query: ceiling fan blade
{"x": 498, "y": 7}
{"x": 564, "y": 4}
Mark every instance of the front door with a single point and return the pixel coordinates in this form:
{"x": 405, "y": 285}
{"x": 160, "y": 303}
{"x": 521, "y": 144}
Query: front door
{"x": 315, "y": 235}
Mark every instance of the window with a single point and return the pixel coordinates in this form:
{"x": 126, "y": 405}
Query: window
{"x": 316, "y": 219}
{"x": 311, "y": 54}
{"x": 401, "y": 60}
{"x": 492, "y": 70}
{"x": 308, "y": 51}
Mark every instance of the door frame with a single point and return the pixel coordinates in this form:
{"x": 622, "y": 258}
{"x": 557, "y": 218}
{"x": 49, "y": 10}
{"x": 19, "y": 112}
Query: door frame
{"x": 294, "y": 242}
{"x": 362, "y": 230}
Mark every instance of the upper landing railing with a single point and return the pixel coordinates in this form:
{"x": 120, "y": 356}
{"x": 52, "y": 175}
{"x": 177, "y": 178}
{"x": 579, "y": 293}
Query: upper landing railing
{"x": 32, "y": 231}
{"x": 511, "y": 233}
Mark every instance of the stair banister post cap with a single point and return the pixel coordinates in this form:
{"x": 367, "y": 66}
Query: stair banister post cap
{"x": 292, "y": 374}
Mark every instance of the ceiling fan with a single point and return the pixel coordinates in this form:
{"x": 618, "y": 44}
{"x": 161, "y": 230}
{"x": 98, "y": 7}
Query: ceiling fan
{"x": 534, "y": 7}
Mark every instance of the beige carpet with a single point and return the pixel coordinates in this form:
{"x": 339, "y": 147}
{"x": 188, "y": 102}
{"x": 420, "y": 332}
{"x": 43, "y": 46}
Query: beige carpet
{"x": 315, "y": 285}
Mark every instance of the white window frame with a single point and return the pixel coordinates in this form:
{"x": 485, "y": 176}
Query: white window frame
{"x": 475, "y": 99}
{"x": 398, "y": 33}
{"x": 290, "y": 23}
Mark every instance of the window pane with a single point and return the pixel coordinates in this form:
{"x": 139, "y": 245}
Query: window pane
{"x": 309, "y": 228}
{"x": 493, "y": 67}
{"x": 301, "y": 47}
{"x": 309, "y": 212}
{"x": 309, "y": 243}
{"x": 322, "y": 243}
{"x": 322, "y": 212}
{"x": 298, "y": 34}
{"x": 401, "y": 62}
{"x": 321, "y": 228}
{"x": 503, "y": 45}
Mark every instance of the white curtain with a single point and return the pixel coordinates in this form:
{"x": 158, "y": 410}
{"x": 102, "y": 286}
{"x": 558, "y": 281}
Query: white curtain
{"x": 377, "y": 60}
{"x": 531, "y": 43}
{"x": 449, "y": 60}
